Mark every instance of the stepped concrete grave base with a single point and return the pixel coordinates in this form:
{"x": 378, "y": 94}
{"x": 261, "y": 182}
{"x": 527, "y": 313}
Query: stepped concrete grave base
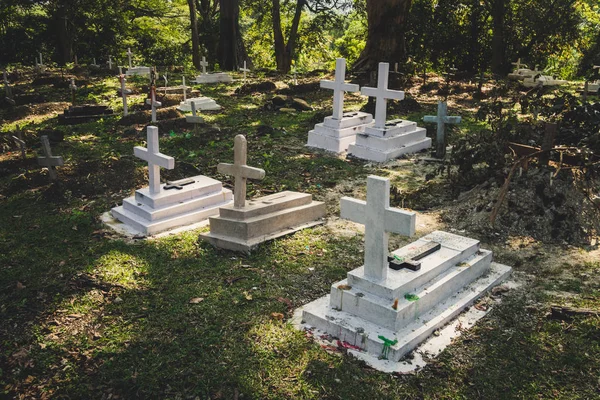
{"x": 336, "y": 135}
{"x": 398, "y": 138}
{"x": 263, "y": 219}
{"x": 138, "y": 71}
{"x": 214, "y": 77}
{"x": 201, "y": 103}
{"x": 407, "y": 306}
{"x": 149, "y": 214}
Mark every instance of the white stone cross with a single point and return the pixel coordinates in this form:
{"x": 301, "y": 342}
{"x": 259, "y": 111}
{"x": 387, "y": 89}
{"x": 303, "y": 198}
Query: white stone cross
{"x": 153, "y": 103}
{"x": 203, "y": 64}
{"x": 244, "y": 70}
{"x": 49, "y": 160}
{"x": 382, "y": 94}
{"x": 240, "y": 171}
{"x": 184, "y": 89}
{"x": 129, "y": 54}
{"x": 109, "y": 62}
{"x": 379, "y": 219}
{"x": 166, "y": 82}
{"x": 124, "y": 94}
{"x": 155, "y": 159}
{"x": 518, "y": 65}
{"x": 339, "y": 87}
{"x": 41, "y": 60}
{"x": 441, "y": 119}
{"x": 73, "y": 88}
{"x": 7, "y": 86}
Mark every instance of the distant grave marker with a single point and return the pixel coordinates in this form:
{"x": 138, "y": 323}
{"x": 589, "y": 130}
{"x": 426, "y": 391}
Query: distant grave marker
{"x": 48, "y": 160}
{"x": 441, "y": 119}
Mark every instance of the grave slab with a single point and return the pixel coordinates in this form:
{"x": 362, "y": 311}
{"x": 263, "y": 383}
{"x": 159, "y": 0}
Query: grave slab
{"x": 246, "y": 224}
{"x": 201, "y": 103}
{"x": 387, "y": 312}
{"x": 84, "y": 113}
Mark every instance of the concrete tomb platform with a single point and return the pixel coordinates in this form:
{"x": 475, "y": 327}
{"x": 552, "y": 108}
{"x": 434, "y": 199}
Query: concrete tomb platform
{"x": 159, "y": 207}
{"x": 246, "y": 224}
{"x": 398, "y": 137}
{"x": 150, "y": 214}
{"x": 337, "y": 135}
{"x": 141, "y": 70}
{"x": 214, "y": 77}
{"x": 263, "y": 219}
{"x": 359, "y": 310}
{"x": 395, "y": 301}
{"x": 84, "y": 113}
{"x": 201, "y": 103}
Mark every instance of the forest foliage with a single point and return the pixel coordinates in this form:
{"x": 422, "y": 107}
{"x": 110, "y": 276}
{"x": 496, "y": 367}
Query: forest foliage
{"x": 560, "y": 36}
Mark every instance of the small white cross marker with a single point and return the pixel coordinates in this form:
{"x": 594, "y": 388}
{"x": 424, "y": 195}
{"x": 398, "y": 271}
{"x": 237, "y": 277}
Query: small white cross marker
{"x": 49, "y": 160}
{"x": 518, "y": 65}
{"x": 382, "y": 94}
{"x": 441, "y": 119}
{"x": 339, "y": 87}
{"x": 379, "y": 219}
{"x": 240, "y": 171}
{"x": 129, "y": 54}
{"x": 155, "y": 159}
{"x": 244, "y": 70}
{"x": 109, "y": 62}
{"x": 203, "y": 64}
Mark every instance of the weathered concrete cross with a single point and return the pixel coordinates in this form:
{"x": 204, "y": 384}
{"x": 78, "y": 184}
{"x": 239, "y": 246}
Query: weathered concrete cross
{"x": 154, "y": 158}
{"x": 152, "y": 102}
{"x": 49, "y": 160}
{"x": 73, "y": 88}
{"x": 129, "y": 54}
{"x": 339, "y": 87}
{"x": 441, "y": 119}
{"x": 184, "y": 89}
{"x": 240, "y": 171}
{"x": 19, "y": 140}
{"x": 244, "y": 70}
{"x": 203, "y": 64}
{"x": 7, "y": 86}
{"x": 382, "y": 94}
{"x": 109, "y": 62}
{"x": 165, "y": 77}
{"x": 518, "y": 65}
{"x": 379, "y": 219}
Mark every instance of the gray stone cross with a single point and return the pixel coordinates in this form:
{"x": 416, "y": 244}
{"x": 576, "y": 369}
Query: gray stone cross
{"x": 49, "y": 160}
{"x": 379, "y": 219}
{"x": 184, "y": 89}
{"x": 441, "y": 119}
{"x": 339, "y": 87}
{"x": 382, "y": 94}
{"x": 7, "y": 86}
{"x": 240, "y": 171}
{"x": 203, "y": 64}
{"x": 154, "y": 158}
{"x": 129, "y": 54}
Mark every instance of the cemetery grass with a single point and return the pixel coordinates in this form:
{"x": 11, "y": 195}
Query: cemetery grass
{"x": 87, "y": 314}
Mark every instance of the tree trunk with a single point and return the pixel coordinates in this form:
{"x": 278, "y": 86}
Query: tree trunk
{"x": 64, "y": 35}
{"x": 284, "y": 53}
{"x": 195, "y": 37}
{"x": 232, "y": 51}
{"x": 498, "y": 45}
{"x": 472, "y": 62}
{"x": 385, "y": 40}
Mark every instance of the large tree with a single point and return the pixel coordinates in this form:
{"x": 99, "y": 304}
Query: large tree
{"x": 231, "y": 51}
{"x": 195, "y": 36}
{"x": 386, "y": 31}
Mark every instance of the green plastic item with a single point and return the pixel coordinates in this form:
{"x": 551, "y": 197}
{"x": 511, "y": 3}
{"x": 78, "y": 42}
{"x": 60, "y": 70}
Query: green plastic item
{"x": 411, "y": 297}
{"x": 387, "y": 343}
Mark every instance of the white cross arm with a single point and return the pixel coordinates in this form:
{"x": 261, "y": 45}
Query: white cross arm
{"x": 396, "y": 221}
{"x": 347, "y": 87}
{"x": 389, "y": 94}
{"x": 53, "y": 161}
{"x": 157, "y": 159}
{"x": 452, "y": 120}
{"x": 353, "y": 210}
{"x": 241, "y": 170}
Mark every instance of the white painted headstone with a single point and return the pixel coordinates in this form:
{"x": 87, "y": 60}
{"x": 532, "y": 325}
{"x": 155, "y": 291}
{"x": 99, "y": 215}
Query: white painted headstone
{"x": 129, "y": 54}
{"x": 339, "y": 87}
{"x": 379, "y": 219}
{"x": 244, "y": 70}
{"x": 49, "y": 160}
{"x": 382, "y": 94}
{"x": 240, "y": 171}
{"x": 155, "y": 159}
{"x": 203, "y": 64}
